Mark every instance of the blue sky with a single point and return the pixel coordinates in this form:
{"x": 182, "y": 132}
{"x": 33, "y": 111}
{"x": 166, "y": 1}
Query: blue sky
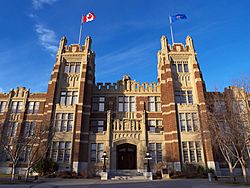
{"x": 126, "y": 37}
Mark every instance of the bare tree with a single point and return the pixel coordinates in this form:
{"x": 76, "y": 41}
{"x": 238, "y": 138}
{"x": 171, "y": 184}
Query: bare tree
{"x": 219, "y": 131}
{"x": 229, "y": 123}
{"x": 38, "y": 147}
{"x": 13, "y": 147}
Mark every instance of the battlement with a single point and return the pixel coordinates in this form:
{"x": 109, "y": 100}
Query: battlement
{"x": 127, "y": 85}
{"x": 73, "y": 48}
{"x": 177, "y": 47}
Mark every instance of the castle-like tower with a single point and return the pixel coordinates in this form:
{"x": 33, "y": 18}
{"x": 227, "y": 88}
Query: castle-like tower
{"x": 126, "y": 119}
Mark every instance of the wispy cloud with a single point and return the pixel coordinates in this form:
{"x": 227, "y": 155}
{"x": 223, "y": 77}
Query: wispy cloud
{"x": 130, "y": 56}
{"x": 37, "y": 4}
{"x": 47, "y": 37}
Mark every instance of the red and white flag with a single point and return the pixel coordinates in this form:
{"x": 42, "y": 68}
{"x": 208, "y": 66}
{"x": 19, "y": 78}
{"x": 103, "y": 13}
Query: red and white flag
{"x": 89, "y": 17}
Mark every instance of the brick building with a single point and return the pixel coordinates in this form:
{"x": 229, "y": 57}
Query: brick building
{"x": 126, "y": 119}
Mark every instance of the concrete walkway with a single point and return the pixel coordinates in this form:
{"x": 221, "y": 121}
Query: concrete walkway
{"x": 92, "y": 183}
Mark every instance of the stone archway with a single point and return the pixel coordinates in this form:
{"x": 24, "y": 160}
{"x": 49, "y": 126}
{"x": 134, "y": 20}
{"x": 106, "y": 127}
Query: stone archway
{"x": 126, "y": 156}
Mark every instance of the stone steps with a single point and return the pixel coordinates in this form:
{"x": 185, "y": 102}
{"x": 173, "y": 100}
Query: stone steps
{"x": 127, "y": 175}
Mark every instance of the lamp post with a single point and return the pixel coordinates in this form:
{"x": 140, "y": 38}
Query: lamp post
{"x": 148, "y": 157}
{"x": 104, "y": 157}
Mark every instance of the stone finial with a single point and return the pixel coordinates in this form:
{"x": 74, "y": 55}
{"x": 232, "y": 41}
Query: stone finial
{"x": 63, "y": 42}
{"x": 88, "y": 42}
{"x": 189, "y": 43}
{"x": 164, "y": 43}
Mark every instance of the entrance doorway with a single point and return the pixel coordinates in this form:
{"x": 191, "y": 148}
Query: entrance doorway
{"x": 126, "y": 156}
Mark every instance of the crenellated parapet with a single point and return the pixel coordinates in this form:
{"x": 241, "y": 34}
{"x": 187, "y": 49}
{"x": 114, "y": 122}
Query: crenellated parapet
{"x": 127, "y": 85}
{"x": 20, "y": 92}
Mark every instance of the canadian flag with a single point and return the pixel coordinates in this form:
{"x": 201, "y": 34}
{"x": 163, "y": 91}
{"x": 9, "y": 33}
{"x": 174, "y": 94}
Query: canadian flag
{"x": 89, "y": 17}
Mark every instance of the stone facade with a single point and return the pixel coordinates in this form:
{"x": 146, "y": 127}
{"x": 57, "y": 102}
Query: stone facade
{"x": 126, "y": 119}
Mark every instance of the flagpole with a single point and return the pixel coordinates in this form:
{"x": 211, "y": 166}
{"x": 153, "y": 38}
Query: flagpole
{"x": 80, "y": 33}
{"x": 171, "y": 29}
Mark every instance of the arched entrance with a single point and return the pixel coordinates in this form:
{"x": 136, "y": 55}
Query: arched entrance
{"x": 126, "y": 156}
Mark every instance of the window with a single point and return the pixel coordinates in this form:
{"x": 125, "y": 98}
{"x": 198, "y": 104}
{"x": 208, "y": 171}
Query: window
{"x": 188, "y": 122}
{"x": 25, "y": 155}
{"x": 155, "y": 126}
{"x": 67, "y": 151}
{"x": 68, "y": 98}
{"x": 155, "y": 150}
{"x": 60, "y": 151}
{"x": 180, "y": 66}
{"x": 29, "y": 128}
{"x": 10, "y": 129}
{"x": 33, "y": 107}
{"x": 2, "y": 106}
{"x": 184, "y": 97}
{"x": 96, "y": 152}
{"x": 64, "y": 122}
{"x": 72, "y": 68}
{"x": 191, "y": 152}
{"x": 97, "y": 126}
{"x": 16, "y": 106}
{"x": 126, "y": 104}
{"x": 98, "y": 104}
{"x": 154, "y": 104}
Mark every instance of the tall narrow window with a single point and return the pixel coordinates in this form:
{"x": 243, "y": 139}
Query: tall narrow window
{"x": 151, "y": 104}
{"x": 101, "y": 104}
{"x": 72, "y": 69}
{"x": 195, "y": 121}
{"x": 14, "y": 107}
{"x": 191, "y": 150}
{"x": 66, "y": 68}
{"x": 190, "y": 97}
{"x": 180, "y": 69}
{"x": 93, "y": 153}
{"x": 125, "y": 104}
{"x": 100, "y": 126}
{"x": 151, "y": 126}
{"x": 198, "y": 151}
{"x": 120, "y": 104}
{"x": 54, "y": 151}
{"x": 185, "y": 151}
{"x": 189, "y": 122}
{"x": 132, "y": 104}
{"x": 186, "y": 67}
{"x": 78, "y": 67}
{"x": 60, "y": 151}
{"x": 159, "y": 152}
{"x": 174, "y": 68}
{"x": 182, "y": 122}
{"x": 151, "y": 148}
{"x": 158, "y": 104}
{"x": 99, "y": 152}
{"x": 67, "y": 151}
{"x": 2, "y": 106}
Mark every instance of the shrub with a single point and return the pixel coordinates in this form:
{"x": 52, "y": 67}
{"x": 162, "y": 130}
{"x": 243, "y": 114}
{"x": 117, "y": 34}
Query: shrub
{"x": 45, "y": 167}
{"x": 194, "y": 171}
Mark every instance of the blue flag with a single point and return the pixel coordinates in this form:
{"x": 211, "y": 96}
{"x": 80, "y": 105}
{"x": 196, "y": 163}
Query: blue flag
{"x": 178, "y": 17}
